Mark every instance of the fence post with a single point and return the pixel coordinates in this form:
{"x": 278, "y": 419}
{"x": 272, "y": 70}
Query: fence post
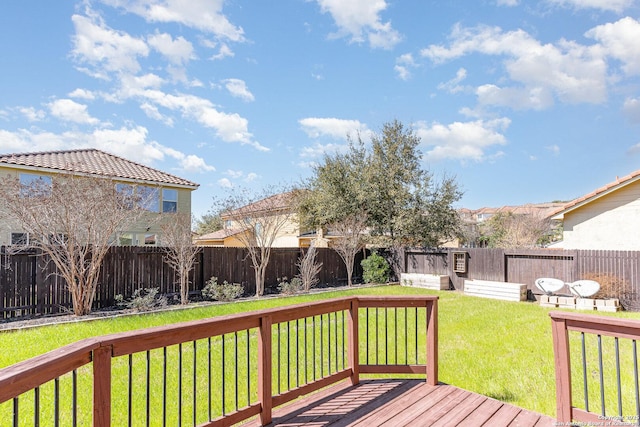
{"x": 432, "y": 342}
{"x": 562, "y": 362}
{"x": 354, "y": 342}
{"x": 102, "y": 387}
{"x": 265, "y": 370}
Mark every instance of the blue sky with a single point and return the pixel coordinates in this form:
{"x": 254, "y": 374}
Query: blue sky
{"x": 523, "y": 102}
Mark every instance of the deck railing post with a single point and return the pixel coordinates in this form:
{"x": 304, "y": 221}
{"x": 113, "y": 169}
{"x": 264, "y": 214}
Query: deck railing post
{"x": 432, "y": 342}
{"x": 354, "y": 342}
{"x": 265, "y": 370}
{"x": 563, "y": 369}
{"x": 102, "y": 386}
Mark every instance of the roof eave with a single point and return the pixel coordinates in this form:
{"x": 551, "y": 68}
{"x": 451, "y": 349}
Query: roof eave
{"x": 55, "y": 171}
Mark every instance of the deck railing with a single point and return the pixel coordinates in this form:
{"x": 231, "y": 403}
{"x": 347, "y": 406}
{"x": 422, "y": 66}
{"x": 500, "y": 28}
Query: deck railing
{"x": 222, "y": 370}
{"x": 596, "y": 362}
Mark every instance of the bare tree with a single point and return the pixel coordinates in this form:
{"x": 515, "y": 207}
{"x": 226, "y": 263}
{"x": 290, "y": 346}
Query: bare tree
{"x": 511, "y": 231}
{"x": 180, "y": 251}
{"x": 72, "y": 220}
{"x": 309, "y": 268}
{"x": 352, "y": 239}
{"x": 259, "y": 222}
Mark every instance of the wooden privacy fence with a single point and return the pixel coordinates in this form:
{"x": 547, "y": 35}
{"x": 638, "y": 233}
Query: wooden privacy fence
{"x": 620, "y": 269}
{"x": 29, "y": 285}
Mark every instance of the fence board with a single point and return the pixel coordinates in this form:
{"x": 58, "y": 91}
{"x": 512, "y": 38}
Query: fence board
{"x": 622, "y": 268}
{"x": 29, "y": 285}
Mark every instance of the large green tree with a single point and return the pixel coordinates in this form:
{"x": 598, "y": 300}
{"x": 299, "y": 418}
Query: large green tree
{"x": 208, "y": 223}
{"x": 384, "y": 182}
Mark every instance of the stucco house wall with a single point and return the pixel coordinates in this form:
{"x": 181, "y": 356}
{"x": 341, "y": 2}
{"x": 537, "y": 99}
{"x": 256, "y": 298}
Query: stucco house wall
{"x": 96, "y": 163}
{"x": 607, "y": 219}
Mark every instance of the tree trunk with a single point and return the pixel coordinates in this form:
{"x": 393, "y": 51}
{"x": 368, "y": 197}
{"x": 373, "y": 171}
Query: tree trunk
{"x": 349, "y": 265}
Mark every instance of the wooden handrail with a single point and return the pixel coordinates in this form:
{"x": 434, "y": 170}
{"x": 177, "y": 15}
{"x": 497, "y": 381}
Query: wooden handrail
{"x": 27, "y": 375}
{"x": 562, "y": 323}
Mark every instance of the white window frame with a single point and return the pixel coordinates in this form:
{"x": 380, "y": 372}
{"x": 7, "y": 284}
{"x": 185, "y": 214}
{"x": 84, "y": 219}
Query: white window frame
{"x": 28, "y": 179}
{"x": 26, "y": 235}
{"x": 167, "y": 199}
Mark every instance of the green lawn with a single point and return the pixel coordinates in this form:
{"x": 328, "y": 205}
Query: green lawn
{"x": 495, "y": 348}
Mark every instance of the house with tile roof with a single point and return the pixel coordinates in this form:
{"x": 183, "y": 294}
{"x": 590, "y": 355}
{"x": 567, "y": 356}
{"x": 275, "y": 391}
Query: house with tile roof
{"x": 607, "y": 218}
{"x": 235, "y": 222}
{"x": 166, "y": 193}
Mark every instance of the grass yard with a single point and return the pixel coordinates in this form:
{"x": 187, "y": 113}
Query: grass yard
{"x": 495, "y": 348}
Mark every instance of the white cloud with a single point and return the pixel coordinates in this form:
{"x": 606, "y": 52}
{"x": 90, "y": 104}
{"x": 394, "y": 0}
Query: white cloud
{"x": 224, "y": 52}
{"x": 204, "y": 15}
{"x": 509, "y": 3}
{"x": 193, "y": 163}
{"x": 238, "y": 88}
{"x": 537, "y": 98}
{"x": 225, "y": 183}
{"x": 573, "y": 73}
{"x": 234, "y": 174}
{"x": 105, "y": 49}
{"x": 71, "y": 111}
{"x": 316, "y": 127}
{"x": 178, "y": 51}
{"x": 317, "y": 151}
{"x": 609, "y": 5}
{"x": 230, "y": 127}
{"x": 130, "y": 143}
{"x": 453, "y": 85}
{"x": 620, "y": 41}
{"x": 32, "y": 114}
{"x": 153, "y": 112}
{"x": 404, "y": 64}
{"x": 82, "y": 94}
{"x": 462, "y": 140}
{"x": 360, "y": 19}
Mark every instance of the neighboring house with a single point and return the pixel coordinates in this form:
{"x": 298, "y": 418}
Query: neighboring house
{"x": 166, "y": 193}
{"x": 289, "y": 235}
{"x": 225, "y": 237}
{"x": 472, "y": 220}
{"x": 275, "y": 209}
{"x": 607, "y": 218}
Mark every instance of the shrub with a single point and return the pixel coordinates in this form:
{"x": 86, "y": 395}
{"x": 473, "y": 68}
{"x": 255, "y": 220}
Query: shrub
{"x": 222, "y": 292}
{"x": 610, "y": 286}
{"x": 375, "y": 269}
{"x": 292, "y": 287}
{"x": 143, "y": 299}
{"x": 309, "y": 269}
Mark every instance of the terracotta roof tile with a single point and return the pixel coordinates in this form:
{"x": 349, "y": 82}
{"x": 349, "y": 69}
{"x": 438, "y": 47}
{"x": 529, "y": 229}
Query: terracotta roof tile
{"x": 619, "y": 182}
{"x": 277, "y": 202}
{"x": 93, "y": 162}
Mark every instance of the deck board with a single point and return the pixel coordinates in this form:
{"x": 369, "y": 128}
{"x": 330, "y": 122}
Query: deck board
{"x": 397, "y": 403}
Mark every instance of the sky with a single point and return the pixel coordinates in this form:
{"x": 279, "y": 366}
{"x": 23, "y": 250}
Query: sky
{"x": 520, "y": 101}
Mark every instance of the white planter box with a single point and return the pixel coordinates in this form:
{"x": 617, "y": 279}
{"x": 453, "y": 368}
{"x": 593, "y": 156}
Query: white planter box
{"x": 497, "y": 290}
{"x": 428, "y": 281}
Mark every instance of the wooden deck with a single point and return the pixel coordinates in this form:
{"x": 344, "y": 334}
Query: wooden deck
{"x": 397, "y": 403}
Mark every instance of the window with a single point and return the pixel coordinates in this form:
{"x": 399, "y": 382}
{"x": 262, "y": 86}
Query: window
{"x": 150, "y": 239}
{"x": 149, "y": 198}
{"x": 126, "y": 192}
{"x": 169, "y": 200}
{"x": 33, "y": 185}
{"x": 125, "y": 239}
{"x": 21, "y": 239}
{"x": 460, "y": 262}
